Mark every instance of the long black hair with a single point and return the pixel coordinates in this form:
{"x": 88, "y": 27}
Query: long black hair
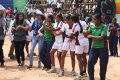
{"x": 75, "y": 19}
{"x": 51, "y": 17}
{"x": 60, "y": 16}
{"x": 98, "y": 17}
{"x": 68, "y": 17}
{"x": 17, "y": 22}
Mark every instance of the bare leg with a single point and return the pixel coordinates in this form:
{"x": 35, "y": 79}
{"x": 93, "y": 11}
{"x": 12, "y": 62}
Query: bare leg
{"x": 59, "y": 56}
{"x": 63, "y": 59}
{"x": 84, "y": 62}
{"x": 80, "y": 62}
{"x": 27, "y": 47}
{"x": 72, "y": 53}
{"x": 52, "y": 57}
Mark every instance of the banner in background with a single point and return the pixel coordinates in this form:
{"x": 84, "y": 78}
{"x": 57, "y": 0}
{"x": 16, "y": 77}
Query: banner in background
{"x": 118, "y": 10}
{"x": 7, "y": 3}
{"x": 20, "y": 4}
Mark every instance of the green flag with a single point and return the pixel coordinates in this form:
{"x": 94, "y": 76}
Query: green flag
{"x": 20, "y": 4}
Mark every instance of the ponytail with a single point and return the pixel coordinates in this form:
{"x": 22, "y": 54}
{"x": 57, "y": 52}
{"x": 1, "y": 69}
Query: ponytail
{"x": 81, "y": 28}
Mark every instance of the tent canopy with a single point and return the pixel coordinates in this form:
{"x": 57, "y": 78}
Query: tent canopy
{"x": 1, "y": 7}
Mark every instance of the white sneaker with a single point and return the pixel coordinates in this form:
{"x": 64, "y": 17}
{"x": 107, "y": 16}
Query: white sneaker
{"x": 73, "y": 73}
{"x": 46, "y": 69}
{"x": 85, "y": 74}
{"x": 78, "y": 77}
{"x": 61, "y": 73}
{"x": 52, "y": 70}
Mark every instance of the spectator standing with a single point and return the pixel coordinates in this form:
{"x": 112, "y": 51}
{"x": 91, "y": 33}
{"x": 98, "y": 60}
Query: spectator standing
{"x": 3, "y": 28}
{"x": 113, "y": 37}
{"x": 19, "y": 30}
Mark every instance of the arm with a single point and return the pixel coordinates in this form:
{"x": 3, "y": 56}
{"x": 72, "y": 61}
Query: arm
{"x": 97, "y": 37}
{"x": 102, "y": 36}
{"x": 53, "y": 29}
{"x": 26, "y": 28}
{"x": 13, "y": 30}
{"x": 40, "y": 31}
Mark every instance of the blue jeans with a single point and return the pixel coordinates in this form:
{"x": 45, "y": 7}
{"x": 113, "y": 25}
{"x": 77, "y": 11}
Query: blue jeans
{"x": 102, "y": 53}
{"x": 113, "y": 41}
{"x": 33, "y": 44}
{"x": 45, "y": 54}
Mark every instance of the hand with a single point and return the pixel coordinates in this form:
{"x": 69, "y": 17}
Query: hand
{"x": 85, "y": 34}
{"x": 89, "y": 36}
{"x": 13, "y": 29}
{"x": 18, "y": 27}
{"x": 54, "y": 33}
{"x": 41, "y": 34}
{"x": 38, "y": 36}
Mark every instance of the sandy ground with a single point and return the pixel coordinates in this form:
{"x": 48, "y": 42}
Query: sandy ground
{"x": 12, "y": 72}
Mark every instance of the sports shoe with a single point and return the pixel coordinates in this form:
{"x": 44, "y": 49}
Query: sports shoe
{"x": 22, "y": 64}
{"x": 43, "y": 68}
{"x": 34, "y": 54}
{"x": 78, "y": 77}
{"x": 61, "y": 73}
{"x": 30, "y": 66}
{"x": 52, "y": 70}
{"x": 73, "y": 73}
{"x": 85, "y": 74}
{"x": 2, "y": 64}
{"x": 46, "y": 69}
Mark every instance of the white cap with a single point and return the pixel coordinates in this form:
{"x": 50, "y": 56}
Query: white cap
{"x": 39, "y": 12}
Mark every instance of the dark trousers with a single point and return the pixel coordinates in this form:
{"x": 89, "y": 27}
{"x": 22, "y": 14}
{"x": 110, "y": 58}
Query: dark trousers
{"x": 19, "y": 50}
{"x": 45, "y": 54}
{"x": 113, "y": 41}
{"x": 96, "y": 53}
{"x": 90, "y": 43}
{"x": 119, "y": 41}
{"x": 1, "y": 51}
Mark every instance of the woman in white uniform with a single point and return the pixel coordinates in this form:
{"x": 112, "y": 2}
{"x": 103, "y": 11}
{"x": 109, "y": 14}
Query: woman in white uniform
{"x": 69, "y": 44}
{"x": 81, "y": 46}
{"x": 57, "y": 46}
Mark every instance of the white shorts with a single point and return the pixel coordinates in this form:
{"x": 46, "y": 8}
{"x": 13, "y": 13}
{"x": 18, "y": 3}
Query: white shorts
{"x": 81, "y": 49}
{"x": 57, "y": 46}
{"x": 68, "y": 46}
{"x": 28, "y": 38}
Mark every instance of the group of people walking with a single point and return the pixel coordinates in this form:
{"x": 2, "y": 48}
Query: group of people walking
{"x": 56, "y": 34}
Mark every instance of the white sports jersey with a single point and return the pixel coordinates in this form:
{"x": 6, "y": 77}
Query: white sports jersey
{"x": 67, "y": 31}
{"x": 59, "y": 38}
{"x": 76, "y": 28}
{"x": 30, "y": 33}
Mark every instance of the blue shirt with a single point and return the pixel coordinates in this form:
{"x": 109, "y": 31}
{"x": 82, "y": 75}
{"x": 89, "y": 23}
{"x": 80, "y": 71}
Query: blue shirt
{"x": 36, "y": 26}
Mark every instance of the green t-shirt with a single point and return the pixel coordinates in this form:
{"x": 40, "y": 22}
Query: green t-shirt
{"x": 47, "y": 35}
{"x": 100, "y": 31}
